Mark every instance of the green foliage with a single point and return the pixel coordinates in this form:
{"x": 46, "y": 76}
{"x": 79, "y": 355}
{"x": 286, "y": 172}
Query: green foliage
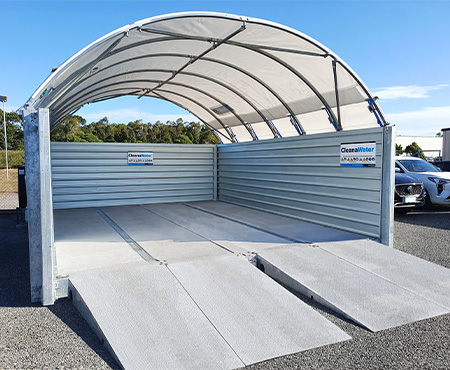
{"x": 183, "y": 139}
{"x": 14, "y": 131}
{"x": 75, "y": 129}
{"x": 16, "y": 158}
{"x": 398, "y": 149}
{"x": 414, "y": 149}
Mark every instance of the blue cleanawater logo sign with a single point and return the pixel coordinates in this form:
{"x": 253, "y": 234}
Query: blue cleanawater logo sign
{"x": 358, "y": 154}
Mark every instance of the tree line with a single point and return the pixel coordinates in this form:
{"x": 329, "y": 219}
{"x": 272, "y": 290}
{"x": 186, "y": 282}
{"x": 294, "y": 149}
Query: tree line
{"x": 14, "y": 131}
{"x": 76, "y": 129}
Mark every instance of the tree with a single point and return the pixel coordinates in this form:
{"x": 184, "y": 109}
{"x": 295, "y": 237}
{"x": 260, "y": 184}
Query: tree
{"x": 415, "y": 150}
{"x": 398, "y": 149}
{"x": 439, "y": 134}
{"x": 182, "y": 139}
{"x": 14, "y": 131}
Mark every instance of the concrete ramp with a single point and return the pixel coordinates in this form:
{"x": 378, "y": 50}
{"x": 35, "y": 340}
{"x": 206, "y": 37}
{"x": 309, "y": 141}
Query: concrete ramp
{"x": 374, "y": 285}
{"x": 170, "y": 286}
{"x": 416, "y": 275}
{"x": 211, "y": 313}
{"x": 367, "y": 299}
{"x": 148, "y": 319}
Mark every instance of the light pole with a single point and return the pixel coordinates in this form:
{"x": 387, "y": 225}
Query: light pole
{"x": 3, "y": 99}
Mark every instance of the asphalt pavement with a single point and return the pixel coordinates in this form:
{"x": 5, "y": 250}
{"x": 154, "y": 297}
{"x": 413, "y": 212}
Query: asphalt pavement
{"x": 57, "y": 337}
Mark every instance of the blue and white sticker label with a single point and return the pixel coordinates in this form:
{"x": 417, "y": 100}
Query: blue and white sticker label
{"x": 358, "y": 154}
{"x": 140, "y": 159}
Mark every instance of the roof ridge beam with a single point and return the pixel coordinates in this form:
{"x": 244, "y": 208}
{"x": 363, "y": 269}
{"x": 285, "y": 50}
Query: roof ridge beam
{"x": 300, "y": 76}
{"x": 235, "y": 43}
{"x": 184, "y": 72}
{"x": 216, "y": 44}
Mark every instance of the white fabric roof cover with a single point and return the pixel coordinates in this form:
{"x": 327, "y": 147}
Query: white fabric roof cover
{"x": 245, "y": 78}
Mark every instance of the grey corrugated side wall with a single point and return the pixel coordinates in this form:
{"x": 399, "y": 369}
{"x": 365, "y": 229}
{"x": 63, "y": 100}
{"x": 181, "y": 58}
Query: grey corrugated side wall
{"x": 301, "y": 177}
{"x": 98, "y": 174}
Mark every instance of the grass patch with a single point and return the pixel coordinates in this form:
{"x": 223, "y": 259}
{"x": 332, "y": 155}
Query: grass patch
{"x": 15, "y": 159}
{"x": 9, "y": 185}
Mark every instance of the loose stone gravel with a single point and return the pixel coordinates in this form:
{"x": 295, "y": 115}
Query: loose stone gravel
{"x": 57, "y": 337}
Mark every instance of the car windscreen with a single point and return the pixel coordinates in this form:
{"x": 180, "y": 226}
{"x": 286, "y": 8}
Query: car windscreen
{"x": 418, "y": 166}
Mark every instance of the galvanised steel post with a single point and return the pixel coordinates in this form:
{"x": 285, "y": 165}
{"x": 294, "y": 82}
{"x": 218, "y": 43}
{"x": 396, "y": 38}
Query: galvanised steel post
{"x": 3, "y": 99}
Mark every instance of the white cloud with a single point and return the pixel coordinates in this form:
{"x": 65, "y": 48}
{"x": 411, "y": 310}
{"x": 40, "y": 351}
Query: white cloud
{"x": 423, "y": 122}
{"x": 409, "y": 92}
{"x": 126, "y": 115}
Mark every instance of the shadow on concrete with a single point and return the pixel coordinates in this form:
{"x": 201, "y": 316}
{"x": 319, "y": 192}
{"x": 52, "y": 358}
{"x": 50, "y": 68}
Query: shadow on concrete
{"x": 15, "y": 284}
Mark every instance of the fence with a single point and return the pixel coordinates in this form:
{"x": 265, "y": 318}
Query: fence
{"x": 9, "y": 184}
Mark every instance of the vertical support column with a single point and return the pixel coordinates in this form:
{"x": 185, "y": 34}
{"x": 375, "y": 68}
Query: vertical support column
{"x": 215, "y": 173}
{"x": 40, "y": 210}
{"x": 387, "y": 187}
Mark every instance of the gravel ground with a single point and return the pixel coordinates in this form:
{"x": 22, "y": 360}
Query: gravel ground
{"x": 57, "y": 337}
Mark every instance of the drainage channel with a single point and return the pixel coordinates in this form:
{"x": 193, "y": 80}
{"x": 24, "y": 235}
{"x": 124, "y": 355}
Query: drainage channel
{"x": 132, "y": 243}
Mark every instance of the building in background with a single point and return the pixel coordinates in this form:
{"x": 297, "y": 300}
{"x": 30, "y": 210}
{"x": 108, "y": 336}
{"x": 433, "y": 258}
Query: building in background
{"x": 432, "y": 146}
{"x": 446, "y": 144}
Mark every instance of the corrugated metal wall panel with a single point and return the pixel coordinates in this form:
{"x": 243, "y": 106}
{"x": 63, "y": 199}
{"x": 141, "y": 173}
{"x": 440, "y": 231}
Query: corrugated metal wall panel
{"x": 97, "y": 174}
{"x": 301, "y": 177}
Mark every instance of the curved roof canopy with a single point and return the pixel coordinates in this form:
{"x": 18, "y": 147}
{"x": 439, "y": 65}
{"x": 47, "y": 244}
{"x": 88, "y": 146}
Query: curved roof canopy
{"x": 245, "y": 78}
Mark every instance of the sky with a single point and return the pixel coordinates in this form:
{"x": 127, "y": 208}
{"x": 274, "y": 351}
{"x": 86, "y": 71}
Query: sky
{"x": 399, "y": 48}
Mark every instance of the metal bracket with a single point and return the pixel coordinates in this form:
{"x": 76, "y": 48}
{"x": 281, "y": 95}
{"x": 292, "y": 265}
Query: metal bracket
{"x": 331, "y": 119}
{"x": 372, "y": 109}
{"x": 273, "y": 128}
{"x": 250, "y": 129}
{"x": 294, "y": 123}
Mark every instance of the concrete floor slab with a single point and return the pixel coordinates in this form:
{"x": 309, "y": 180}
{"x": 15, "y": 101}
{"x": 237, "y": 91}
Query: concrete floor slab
{"x": 84, "y": 241}
{"x": 291, "y": 228}
{"x": 255, "y": 315}
{"x": 150, "y": 321}
{"x": 364, "y": 297}
{"x": 232, "y": 235}
{"x": 421, "y": 277}
{"x": 83, "y": 225}
{"x": 161, "y": 238}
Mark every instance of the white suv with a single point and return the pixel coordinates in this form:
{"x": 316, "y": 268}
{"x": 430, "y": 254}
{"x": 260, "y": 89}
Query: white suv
{"x": 436, "y": 183}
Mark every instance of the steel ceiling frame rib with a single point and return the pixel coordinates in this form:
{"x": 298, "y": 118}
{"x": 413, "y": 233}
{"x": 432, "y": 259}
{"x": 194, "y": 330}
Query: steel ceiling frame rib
{"x": 226, "y": 128}
{"x": 214, "y": 130}
{"x": 251, "y": 132}
{"x": 336, "y": 91}
{"x": 287, "y": 107}
{"x": 48, "y": 94}
{"x": 215, "y": 45}
{"x": 300, "y": 76}
{"x": 58, "y": 118}
{"x": 365, "y": 89}
{"x": 77, "y": 75}
{"x": 265, "y": 119}
{"x": 148, "y": 91}
{"x": 140, "y": 89}
{"x": 231, "y": 42}
{"x": 169, "y": 71}
{"x": 258, "y": 50}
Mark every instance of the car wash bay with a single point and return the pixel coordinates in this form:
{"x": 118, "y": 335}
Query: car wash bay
{"x": 184, "y": 262}
{"x": 192, "y": 281}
